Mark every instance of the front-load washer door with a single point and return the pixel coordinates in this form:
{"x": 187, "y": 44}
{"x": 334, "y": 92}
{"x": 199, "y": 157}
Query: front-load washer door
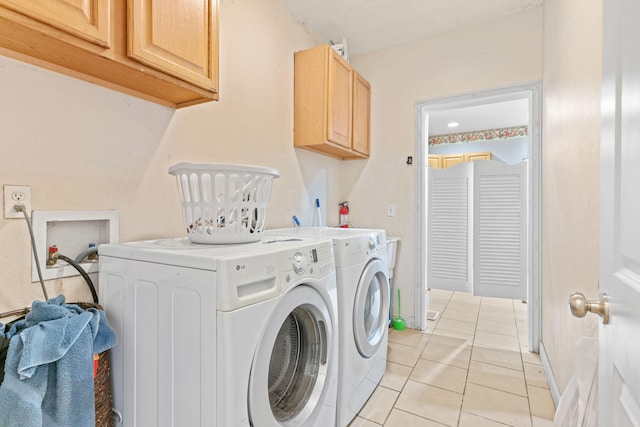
{"x": 371, "y": 308}
{"x": 289, "y": 376}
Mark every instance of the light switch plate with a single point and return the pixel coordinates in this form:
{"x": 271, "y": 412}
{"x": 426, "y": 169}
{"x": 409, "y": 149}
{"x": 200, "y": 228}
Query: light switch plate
{"x": 391, "y": 210}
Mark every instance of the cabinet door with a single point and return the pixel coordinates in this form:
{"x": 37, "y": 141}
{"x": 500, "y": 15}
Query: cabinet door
{"x": 434, "y": 161}
{"x": 477, "y": 156}
{"x": 361, "y": 113}
{"x": 339, "y": 120}
{"x": 177, "y": 37}
{"x": 87, "y": 20}
{"x": 452, "y": 160}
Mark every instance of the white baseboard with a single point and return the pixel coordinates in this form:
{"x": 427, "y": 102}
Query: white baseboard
{"x": 410, "y": 321}
{"x": 546, "y": 365}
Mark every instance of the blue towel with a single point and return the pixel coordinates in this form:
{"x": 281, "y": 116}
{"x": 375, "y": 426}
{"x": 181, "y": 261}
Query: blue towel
{"x": 49, "y": 368}
{"x": 4, "y": 346}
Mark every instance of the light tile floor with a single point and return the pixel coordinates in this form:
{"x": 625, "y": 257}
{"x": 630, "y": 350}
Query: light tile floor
{"x": 471, "y": 368}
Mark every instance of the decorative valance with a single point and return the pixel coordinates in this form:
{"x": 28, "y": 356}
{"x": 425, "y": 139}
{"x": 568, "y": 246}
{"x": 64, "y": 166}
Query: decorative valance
{"x": 481, "y": 135}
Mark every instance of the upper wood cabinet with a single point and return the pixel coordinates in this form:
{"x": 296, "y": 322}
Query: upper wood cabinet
{"x": 331, "y": 105}
{"x": 361, "y": 114}
{"x": 340, "y": 99}
{"x": 176, "y": 37}
{"x": 161, "y": 50}
{"x": 88, "y": 20}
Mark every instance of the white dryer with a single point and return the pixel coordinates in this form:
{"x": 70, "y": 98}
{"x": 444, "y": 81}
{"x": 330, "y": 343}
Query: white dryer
{"x": 363, "y": 309}
{"x": 222, "y": 335}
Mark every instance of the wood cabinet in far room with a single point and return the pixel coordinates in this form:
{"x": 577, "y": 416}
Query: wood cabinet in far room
{"x": 434, "y": 161}
{"x": 443, "y": 161}
{"x": 470, "y": 157}
{"x": 165, "y": 52}
{"x": 332, "y": 105}
{"x": 452, "y": 160}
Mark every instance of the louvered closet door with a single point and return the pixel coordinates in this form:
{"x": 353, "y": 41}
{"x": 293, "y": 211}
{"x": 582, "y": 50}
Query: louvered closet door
{"x": 500, "y": 224}
{"x": 449, "y": 228}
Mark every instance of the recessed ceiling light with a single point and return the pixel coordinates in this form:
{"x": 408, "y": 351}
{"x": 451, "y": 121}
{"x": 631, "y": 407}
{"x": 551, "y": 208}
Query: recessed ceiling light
{"x": 453, "y": 124}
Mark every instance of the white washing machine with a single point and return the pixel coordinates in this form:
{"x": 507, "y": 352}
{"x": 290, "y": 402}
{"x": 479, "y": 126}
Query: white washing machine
{"x": 222, "y": 335}
{"x": 363, "y": 310}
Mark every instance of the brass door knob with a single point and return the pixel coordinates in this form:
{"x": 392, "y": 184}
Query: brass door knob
{"x": 580, "y": 306}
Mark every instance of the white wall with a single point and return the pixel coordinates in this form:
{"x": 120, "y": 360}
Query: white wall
{"x": 83, "y": 147}
{"x": 503, "y": 52}
{"x": 571, "y": 173}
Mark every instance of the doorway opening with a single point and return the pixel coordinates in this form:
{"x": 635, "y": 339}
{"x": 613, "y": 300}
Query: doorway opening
{"x": 531, "y": 94}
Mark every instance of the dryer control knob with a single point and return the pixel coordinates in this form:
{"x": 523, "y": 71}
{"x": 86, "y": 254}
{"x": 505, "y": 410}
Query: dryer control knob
{"x": 299, "y": 262}
{"x": 372, "y": 243}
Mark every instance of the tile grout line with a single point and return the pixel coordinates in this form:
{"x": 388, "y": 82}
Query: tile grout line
{"x": 467, "y": 375}
{"x": 466, "y": 380}
{"x": 523, "y": 371}
{"x": 513, "y": 309}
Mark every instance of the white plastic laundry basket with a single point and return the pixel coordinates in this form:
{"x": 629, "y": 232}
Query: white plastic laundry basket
{"x": 224, "y": 204}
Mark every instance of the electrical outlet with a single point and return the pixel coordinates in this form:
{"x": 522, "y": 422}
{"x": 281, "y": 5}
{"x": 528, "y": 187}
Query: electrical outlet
{"x": 391, "y": 210}
{"x": 16, "y": 194}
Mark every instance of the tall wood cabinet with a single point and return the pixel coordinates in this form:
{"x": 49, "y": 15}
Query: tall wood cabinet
{"x": 332, "y": 105}
{"x": 161, "y": 50}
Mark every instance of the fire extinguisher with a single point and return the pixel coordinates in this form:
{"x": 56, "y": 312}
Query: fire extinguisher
{"x": 344, "y": 215}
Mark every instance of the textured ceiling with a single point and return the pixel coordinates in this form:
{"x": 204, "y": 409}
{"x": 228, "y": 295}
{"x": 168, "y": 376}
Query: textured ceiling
{"x": 370, "y": 25}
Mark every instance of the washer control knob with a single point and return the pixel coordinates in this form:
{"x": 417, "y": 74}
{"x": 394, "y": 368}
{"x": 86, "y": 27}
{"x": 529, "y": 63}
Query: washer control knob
{"x": 299, "y": 262}
{"x": 372, "y": 243}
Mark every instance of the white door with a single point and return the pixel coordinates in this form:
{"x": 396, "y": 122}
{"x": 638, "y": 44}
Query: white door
{"x": 449, "y": 225}
{"x": 477, "y": 225}
{"x": 500, "y": 230}
{"x": 619, "y": 375}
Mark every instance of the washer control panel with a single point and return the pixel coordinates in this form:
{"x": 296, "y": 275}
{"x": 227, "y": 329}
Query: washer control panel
{"x": 314, "y": 261}
{"x": 299, "y": 263}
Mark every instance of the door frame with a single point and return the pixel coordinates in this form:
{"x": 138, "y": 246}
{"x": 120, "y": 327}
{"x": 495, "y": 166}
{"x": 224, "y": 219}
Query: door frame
{"x": 533, "y": 92}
